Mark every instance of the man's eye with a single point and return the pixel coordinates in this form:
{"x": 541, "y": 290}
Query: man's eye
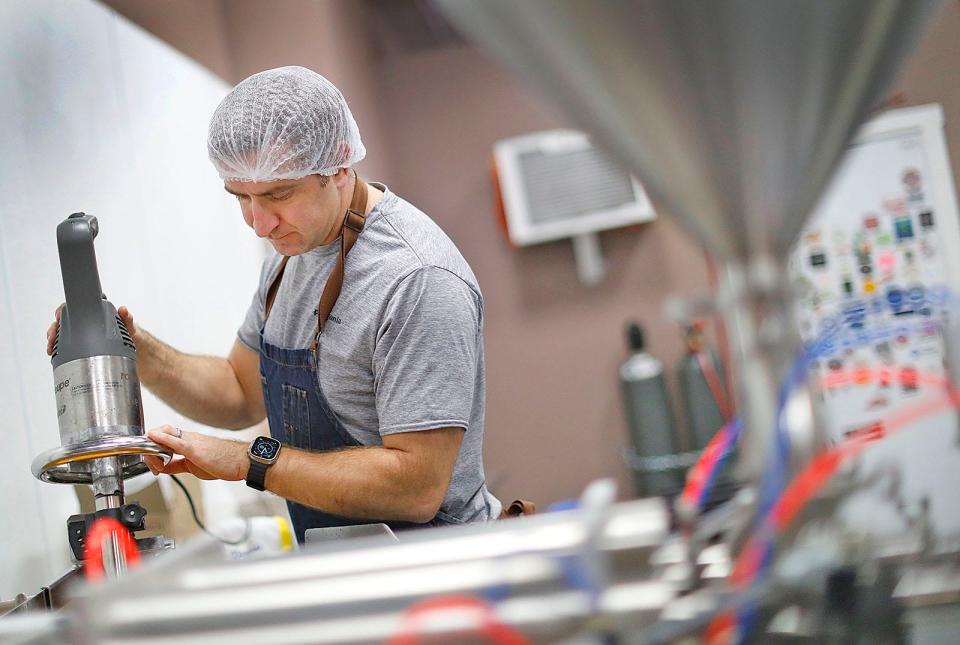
{"x": 281, "y": 196}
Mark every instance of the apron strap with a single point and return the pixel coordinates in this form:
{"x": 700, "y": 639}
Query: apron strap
{"x": 274, "y": 287}
{"x": 353, "y": 222}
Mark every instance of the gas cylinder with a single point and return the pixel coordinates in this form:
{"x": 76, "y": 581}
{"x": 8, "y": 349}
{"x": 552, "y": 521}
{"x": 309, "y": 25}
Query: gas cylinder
{"x": 702, "y": 388}
{"x": 649, "y": 420}
{"x": 705, "y": 403}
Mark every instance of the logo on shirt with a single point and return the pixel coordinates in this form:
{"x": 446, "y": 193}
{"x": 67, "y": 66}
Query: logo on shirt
{"x": 331, "y": 317}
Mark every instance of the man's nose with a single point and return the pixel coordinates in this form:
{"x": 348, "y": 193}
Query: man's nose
{"x": 263, "y": 221}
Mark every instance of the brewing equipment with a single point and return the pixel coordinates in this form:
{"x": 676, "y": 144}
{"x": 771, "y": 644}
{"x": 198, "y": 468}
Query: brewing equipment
{"x": 734, "y": 114}
{"x": 97, "y": 390}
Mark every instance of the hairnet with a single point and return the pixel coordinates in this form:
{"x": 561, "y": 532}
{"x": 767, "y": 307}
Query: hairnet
{"x": 284, "y": 123}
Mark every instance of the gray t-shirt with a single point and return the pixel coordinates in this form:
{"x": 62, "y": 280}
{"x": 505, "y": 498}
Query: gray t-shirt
{"x": 402, "y": 349}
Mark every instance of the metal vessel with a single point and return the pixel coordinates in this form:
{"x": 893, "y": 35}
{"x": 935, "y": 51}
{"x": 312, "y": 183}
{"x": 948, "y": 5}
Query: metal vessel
{"x": 732, "y": 113}
{"x": 650, "y": 422}
{"x": 96, "y": 386}
{"x": 99, "y": 405}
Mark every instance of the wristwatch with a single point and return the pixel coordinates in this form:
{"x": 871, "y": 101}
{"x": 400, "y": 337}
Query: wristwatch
{"x": 263, "y": 453}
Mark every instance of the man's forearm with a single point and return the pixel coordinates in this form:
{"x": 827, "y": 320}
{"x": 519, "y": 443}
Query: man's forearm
{"x": 203, "y": 388}
{"x": 364, "y": 483}
{"x": 405, "y": 479}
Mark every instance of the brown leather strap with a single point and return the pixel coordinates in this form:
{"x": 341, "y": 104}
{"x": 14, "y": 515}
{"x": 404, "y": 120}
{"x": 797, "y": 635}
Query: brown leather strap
{"x": 274, "y": 287}
{"x": 517, "y": 508}
{"x": 353, "y": 221}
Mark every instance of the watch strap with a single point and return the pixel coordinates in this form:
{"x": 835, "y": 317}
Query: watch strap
{"x": 256, "y": 475}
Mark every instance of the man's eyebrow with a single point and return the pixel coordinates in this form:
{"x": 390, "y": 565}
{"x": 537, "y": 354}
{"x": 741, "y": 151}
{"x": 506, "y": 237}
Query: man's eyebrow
{"x": 272, "y": 191}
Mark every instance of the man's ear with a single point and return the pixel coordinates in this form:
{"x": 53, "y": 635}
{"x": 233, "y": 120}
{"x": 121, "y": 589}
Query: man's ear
{"x": 341, "y": 178}
{"x": 343, "y": 153}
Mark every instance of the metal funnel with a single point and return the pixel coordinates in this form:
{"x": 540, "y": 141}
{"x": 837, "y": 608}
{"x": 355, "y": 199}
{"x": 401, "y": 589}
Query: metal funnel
{"x": 732, "y": 112}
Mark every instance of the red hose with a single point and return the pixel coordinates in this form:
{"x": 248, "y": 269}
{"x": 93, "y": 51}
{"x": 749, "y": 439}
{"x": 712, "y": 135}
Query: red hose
{"x": 713, "y": 381}
{"x": 805, "y": 487}
{"x": 412, "y": 628}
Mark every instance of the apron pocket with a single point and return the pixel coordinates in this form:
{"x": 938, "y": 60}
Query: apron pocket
{"x": 275, "y": 431}
{"x": 296, "y": 416}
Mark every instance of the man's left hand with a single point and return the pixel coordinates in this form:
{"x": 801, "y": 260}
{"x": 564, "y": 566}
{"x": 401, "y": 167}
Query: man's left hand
{"x": 201, "y": 455}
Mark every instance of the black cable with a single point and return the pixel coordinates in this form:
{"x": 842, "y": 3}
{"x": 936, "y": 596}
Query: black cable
{"x": 196, "y": 518}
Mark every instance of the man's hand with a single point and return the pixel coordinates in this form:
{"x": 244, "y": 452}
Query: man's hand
{"x": 201, "y": 455}
{"x": 124, "y": 313}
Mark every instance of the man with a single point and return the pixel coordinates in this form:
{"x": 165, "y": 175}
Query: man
{"x": 362, "y": 346}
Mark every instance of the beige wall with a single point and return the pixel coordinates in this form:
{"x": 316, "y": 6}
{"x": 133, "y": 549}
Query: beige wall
{"x": 237, "y": 38}
{"x": 932, "y": 75}
{"x": 195, "y": 27}
{"x": 554, "y": 419}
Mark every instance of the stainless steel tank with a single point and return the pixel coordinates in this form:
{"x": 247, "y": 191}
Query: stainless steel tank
{"x": 733, "y": 113}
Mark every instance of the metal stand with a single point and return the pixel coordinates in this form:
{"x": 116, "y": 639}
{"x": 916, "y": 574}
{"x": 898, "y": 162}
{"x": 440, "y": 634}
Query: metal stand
{"x": 590, "y": 267}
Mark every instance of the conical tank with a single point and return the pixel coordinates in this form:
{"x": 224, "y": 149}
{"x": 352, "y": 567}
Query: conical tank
{"x": 733, "y": 113}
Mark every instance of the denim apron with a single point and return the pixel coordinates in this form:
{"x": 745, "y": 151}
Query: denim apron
{"x": 300, "y": 417}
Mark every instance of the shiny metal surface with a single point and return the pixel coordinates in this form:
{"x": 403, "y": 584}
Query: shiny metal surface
{"x": 38, "y": 620}
{"x": 360, "y": 591}
{"x": 46, "y": 628}
{"x": 52, "y": 597}
{"x": 732, "y": 113}
{"x": 74, "y": 464}
{"x": 98, "y": 397}
{"x": 107, "y": 476}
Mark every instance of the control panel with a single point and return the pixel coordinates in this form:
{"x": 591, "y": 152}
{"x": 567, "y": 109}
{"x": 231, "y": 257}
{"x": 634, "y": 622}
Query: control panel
{"x": 875, "y": 284}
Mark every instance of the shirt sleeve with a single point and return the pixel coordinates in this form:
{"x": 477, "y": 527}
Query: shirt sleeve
{"x": 249, "y": 332}
{"x": 425, "y": 361}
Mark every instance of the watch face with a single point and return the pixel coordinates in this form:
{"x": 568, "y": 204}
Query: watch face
{"x": 265, "y": 448}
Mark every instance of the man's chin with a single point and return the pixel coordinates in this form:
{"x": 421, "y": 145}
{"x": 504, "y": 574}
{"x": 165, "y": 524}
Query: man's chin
{"x": 288, "y": 247}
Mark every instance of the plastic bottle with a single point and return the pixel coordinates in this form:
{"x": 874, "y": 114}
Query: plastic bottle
{"x": 649, "y": 421}
{"x": 255, "y": 537}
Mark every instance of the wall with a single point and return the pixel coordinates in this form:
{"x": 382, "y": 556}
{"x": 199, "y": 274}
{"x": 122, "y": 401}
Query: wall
{"x": 554, "y": 419}
{"x": 932, "y": 75}
{"x": 429, "y": 119}
{"x": 195, "y": 27}
{"x": 241, "y": 37}
{"x": 100, "y": 117}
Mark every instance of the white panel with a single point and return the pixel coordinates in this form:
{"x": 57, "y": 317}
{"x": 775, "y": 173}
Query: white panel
{"x": 25, "y": 545}
{"x": 101, "y": 117}
{"x": 201, "y": 263}
{"x": 883, "y": 238}
{"x": 542, "y": 201}
{"x": 58, "y": 112}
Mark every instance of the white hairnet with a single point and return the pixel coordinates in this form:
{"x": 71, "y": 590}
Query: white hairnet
{"x": 284, "y": 123}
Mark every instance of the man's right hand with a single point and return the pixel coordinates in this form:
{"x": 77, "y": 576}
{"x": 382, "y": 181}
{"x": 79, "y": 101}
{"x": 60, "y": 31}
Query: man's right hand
{"x": 124, "y": 313}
